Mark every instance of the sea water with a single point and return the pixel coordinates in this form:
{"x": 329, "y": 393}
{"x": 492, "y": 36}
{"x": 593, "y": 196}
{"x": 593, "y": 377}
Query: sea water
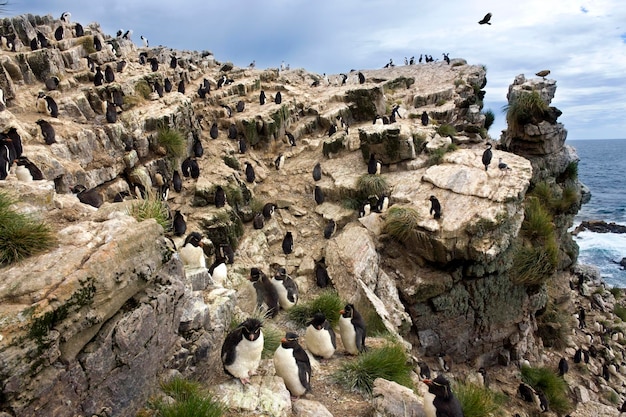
{"x": 602, "y": 168}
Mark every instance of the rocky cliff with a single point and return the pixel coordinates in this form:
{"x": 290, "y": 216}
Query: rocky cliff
{"x": 90, "y": 326}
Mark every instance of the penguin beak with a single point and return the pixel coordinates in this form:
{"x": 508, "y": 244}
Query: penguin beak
{"x": 283, "y": 340}
{"x": 427, "y": 381}
{"x": 341, "y": 311}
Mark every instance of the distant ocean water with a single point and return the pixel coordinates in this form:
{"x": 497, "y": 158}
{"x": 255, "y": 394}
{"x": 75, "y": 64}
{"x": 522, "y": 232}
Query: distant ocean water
{"x": 602, "y": 168}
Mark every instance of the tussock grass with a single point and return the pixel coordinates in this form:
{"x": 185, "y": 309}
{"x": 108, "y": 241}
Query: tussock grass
{"x": 143, "y": 89}
{"x": 571, "y": 172}
{"x": 490, "y": 117}
{"x": 554, "y": 387}
{"x": 189, "y": 401}
{"x": 173, "y": 141}
{"x": 620, "y": 311}
{"x": 532, "y": 265}
{"x": 401, "y": 222}
{"x": 232, "y": 162}
{"x": 372, "y": 185}
{"x": 419, "y": 140}
{"x": 527, "y": 107}
{"x": 554, "y": 198}
{"x": 617, "y": 292}
{"x": 446, "y": 130}
{"x": 328, "y": 302}
{"x": 151, "y": 208}
{"x": 234, "y": 195}
{"x": 554, "y": 327}
{"x": 537, "y": 221}
{"x": 87, "y": 43}
{"x": 389, "y": 362}
{"x": 478, "y": 401}
{"x": 21, "y": 235}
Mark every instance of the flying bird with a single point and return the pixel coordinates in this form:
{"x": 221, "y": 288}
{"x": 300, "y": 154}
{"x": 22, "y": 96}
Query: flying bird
{"x": 485, "y": 20}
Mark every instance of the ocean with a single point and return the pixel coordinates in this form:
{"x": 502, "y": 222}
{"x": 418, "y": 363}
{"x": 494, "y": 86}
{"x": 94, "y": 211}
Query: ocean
{"x": 602, "y": 168}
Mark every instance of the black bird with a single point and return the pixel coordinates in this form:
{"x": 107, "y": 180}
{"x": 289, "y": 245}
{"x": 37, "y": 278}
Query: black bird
{"x": 578, "y": 356}
{"x": 279, "y": 162}
{"x": 111, "y": 113}
{"x": 250, "y": 175}
{"x": 16, "y": 140}
{"x": 487, "y": 155}
{"x": 7, "y": 152}
{"x": 33, "y": 170}
{"x": 51, "y": 106}
{"x": 181, "y": 86}
{"x": 98, "y": 79}
{"x": 503, "y": 166}
{"x": 78, "y": 28}
{"x": 198, "y": 150}
{"x": 563, "y": 367}
{"x": 424, "y": 118}
{"x": 581, "y": 318}
{"x": 344, "y": 78}
{"x": 265, "y": 291}
{"x": 52, "y": 83}
{"x": 332, "y": 129}
{"x": 117, "y": 97}
{"x": 288, "y": 243}
{"x": 485, "y": 20}
{"x": 158, "y": 88}
{"x": 321, "y": 274}
{"x": 43, "y": 41}
{"x": 435, "y": 207}
{"x": 47, "y": 131}
{"x": 526, "y": 392}
{"x": 446, "y": 404}
{"x": 446, "y": 58}
{"x": 190, "y": 168}
{"x": 352, "y": 330}
{"x": 605, "y": 372}
{"x": 543, "y": 74}
{"x": 424, "y": 370}
{"x": 202, "y": 92}
{"x": 292, "y": 140}
{"x": 330, "y": 229}
{"x": 214, "y": 131}
{"x": 317, "y": 172}
{"x": 483, "y": 372}
{"x": 361, "y": 78}
{"x": 319, "y": 195}
{"x": 227, "y": 252}
{"x": 179, "y": 224}
{"x": 258, "y": 221}
{"x": 97, "y": 43}
{"x": 279, "y": 98}
{"x": 220, "y": 197}
{"x": 373, "y": 165}
{"x": 543, "y": 401}
{"x": 262, "y": 98}
{"x": 268, "y": 210}
{"x": 109, "y": 75}
{"x": 177, "y": 181}
{"x": 232, "y": 132}
{"x": 240, "y": 106}
{"x": 167, "y": 85}
{"x": 292, "y": 364}
{"x": 243, "y": 146}
{"x": 91, "y": 197}
{"x": 173, "y": 62}
{"x": 242, "y": 348}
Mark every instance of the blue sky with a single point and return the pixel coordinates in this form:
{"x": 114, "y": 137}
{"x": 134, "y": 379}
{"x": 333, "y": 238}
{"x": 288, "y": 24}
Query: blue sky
{"x": 583, "y": 42}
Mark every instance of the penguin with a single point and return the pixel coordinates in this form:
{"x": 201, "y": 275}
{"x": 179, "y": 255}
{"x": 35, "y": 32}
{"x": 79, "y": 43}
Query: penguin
{"x": 111, "y": 113}
{"x": 424, "y": 370}
{"x": 16, "y": 140}
{"x": 52, "y": 83}
{"x": 173, "y": 62}
{"x": 242, "y": 349}
{"x": 98, "y": 78}
{"x": 485, "y": 377}
{"x": 435, "y": 207}
{"x": 85, "y": 196}
{"x": 197, "y": 148}
{"x": 145, "y": 42}
{"x": 578, "y": 356}
{"x": 382, "y": 205}
{"x": 192, "y": 254}
{"x": 487, "y": 155}
{"x": 292, "y": 364}
{"x": 321, "y": 274}
{"x": 352, "y": 330}
{"x": 250, "y": 175}
{"x": 262, "y": 98}
{"x": 258, "y": 221}
{"x": 278, "y": 98}
{"x": 190, "y": 168}
{"x": 65, "y": 17}
{"x": 288, "y": 243}
{"x": 443, "y": 364}
{"x": 109, "y": 75}
{"x": 154, "y": 64}
{"x": 240, "y": 106}
{"x": 291, "y": 138}
{"x": 446, "y": 404}
{"x": 581, "y": 318}
{"x": 605, "y": 372}
{"x": 177, "y": 181}
{"x": 286, "y": 289}
{"x": 563, "y": 367}
{"x": 47, "y": 131}
{"x": 361, "y": 78}
{"x": 279, "y": 161}
{"x": 265, "y": 291}
{"x": 243, "y": 146}
{"x": 97, "y": 43}
{"x": 319, "y": 195}
{"x": 7, "y": 150}
{"x": 220, "y": 197}
{"x": 218, "y": 270}
{"x": 34, "y": 44}
{"x": 365, "y": 209}
{"x": 214, "y": 131}
{"x": 544, "y": 405}
{"x": 332, "y": 130}
{"x": 268, "y": 210}
{"x": 319, "y": 337}
{"x": 78, "y": 30}
{"x": 43, "y": 41}
{"x": 181, "y": 86}
{"x": 232, "y": 131}
{"x": 30, "y": 171}
{"x": 226, "y": 252}
{"x": 526, "y": 392}
{"x": 49, "y": 105}
{"x": 202, "y": 92}
{"x": 330, "y": 229}
{"x": 317, "y": 172}
{"x": 424, "y": 118}
{"x": 179, "y": 224}
{"x": 167, "y": 85}
{"x": 117, "y": 97}
{"x": 373, "y": 165}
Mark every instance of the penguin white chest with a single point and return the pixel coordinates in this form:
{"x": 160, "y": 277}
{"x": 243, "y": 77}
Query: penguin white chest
{"x": 192, "y": 256}
{"x": 247, "y": 357}
{"x": 318, "y": 342}
{"x": 23, "y": 174}
{"x": 220, "y": 273}
{"x": 348, "y": 335}
{"x": 283, "y": 294}
{"x": 287, "y": 368}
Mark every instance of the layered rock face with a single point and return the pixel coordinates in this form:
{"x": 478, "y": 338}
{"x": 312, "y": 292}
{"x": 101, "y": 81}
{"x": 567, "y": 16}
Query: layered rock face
{"x": 91, "y": 326}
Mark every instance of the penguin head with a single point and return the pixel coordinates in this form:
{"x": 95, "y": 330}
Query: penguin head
{"x": 289, "y": 341}
{"x": 348, "y": 311}
{"x": 439, "y": 387}
{"x": 281, "y": 273}
{"x": 251, "y": 329}
{"x": 318, "y": 321}
{"x": 432, "y": 198}
{"x": 194, "y": 238}
{"x": 255, "y": 274}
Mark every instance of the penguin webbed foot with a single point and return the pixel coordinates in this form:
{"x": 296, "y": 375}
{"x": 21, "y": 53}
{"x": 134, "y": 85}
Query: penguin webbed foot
{"x": 244, "y": 381}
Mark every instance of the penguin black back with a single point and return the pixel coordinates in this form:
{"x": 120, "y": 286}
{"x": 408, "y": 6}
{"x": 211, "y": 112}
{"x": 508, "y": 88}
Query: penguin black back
{"x": 214, "y": 132}
{"x": 319, "y": 195}
{"x": 279, "y": 98}
{"x": 250, "y": 175}
{"x": 487, "y": 155}
{"x": 179, "y": 224}
{"x": 321, "y": 274}
{"x": 265, "y": 291}
{"x": 424, "y": 118}
{"x": 435, "y": 207}
{"x": 47, "y": 131}
{"x": 445, "y": 402}
{"x": 288, "y": 243}
{"x": 317, "y": 172}
{"x": 220, "y": 196}
{"x": 190, "y": 168}
{"x": 249, "y": 329}
{"x": 198, "y": 149}
{"x": 268, "y": 210}
{"x": 356, "y": 320}
{"x": 330, "y": 228}
{"x": 258, "y": 221}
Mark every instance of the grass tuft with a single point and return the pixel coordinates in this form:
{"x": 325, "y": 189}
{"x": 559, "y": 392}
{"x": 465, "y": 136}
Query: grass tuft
{"x": 232, "y": 162}
{"x": 389, "y": 362}
{"x": 173, "y": 141}
{"x": 143, "y": 89}
{"x": 151, "y": 208}
{"x": 554, "y": 387}
{"x": 478, "y": 401}
{"x": 372, "y": 185}
{"x": 525, "y": 108}
{"x": 490, "y": 117}
{"x": 21, "y": 235}
{"x": 446, "y": 130}
{"x": 189, "y": 401}
{"x": 328, "y": 302}
{"x": 620, "y": 312}
{"x": 401, "y": 222}
{"x": 554, "y": 326}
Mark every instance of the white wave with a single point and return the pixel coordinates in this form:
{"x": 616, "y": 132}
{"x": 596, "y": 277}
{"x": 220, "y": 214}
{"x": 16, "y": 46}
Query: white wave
{"x": 604, "y": 250}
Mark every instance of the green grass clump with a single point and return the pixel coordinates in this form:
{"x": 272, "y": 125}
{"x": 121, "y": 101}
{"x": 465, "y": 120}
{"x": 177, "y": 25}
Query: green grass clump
{"x": 232, "y": 162}
{"x": 173, "y": 141}
{"x": 533, "y": 265}
{"x": 143, "y": 89}
{"x": 571, "y": 172}
{"x": 389, "y": 362}
{"x": 372, "y": 185}
{"x": 617, "y": 292}
{"x": 87, "y": 44}
{"x": 419, "y": 140}
{"x": 537, "y": 221}
{"x": 478, "y": 401}
{"x": 328, "y": 302}
{"x": 554, "y": 387}
{"x": 525, "y": 108}
{"x": 568, "y": 201}
{"x": 152, "y": 207}
{"x": 490, "y": 117}
{"x": 234, "y": 195}
{"x": 401, "y": 222}
{"x": 189, "y": 401}
{"x": 21, "y": 235}
{"x": 554, "y": 326}
{"x": 446, "y": 130}
{"x": 620, "y": 312}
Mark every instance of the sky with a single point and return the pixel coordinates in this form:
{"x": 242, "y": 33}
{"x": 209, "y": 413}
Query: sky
{"x": 582, "y": 42}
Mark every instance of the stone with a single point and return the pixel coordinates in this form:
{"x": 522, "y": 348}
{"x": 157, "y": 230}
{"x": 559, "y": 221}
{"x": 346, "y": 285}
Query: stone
{"x": 264, "y": 394}
{"x": 394, "y": 400}
{"x": 310, "y": 408}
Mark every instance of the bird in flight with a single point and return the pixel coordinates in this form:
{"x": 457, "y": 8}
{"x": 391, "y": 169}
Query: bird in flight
{"x": 485, "y": 19}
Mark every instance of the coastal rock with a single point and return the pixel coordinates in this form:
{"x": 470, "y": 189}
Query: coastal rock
{"x": 394, "y": 400}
